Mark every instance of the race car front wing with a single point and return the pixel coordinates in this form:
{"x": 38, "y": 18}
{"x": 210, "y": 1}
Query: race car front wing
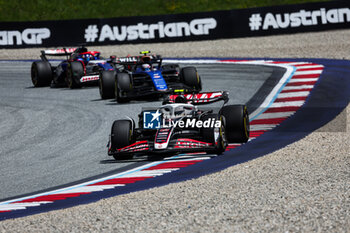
{"x": 179, "y": 145}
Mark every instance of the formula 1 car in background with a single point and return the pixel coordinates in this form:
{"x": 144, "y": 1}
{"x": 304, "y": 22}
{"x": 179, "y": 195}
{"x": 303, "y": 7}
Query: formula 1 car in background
{"x": 145, "y": 75}
{"x": 179, "y": 126}
{"x": 80, "y": 66}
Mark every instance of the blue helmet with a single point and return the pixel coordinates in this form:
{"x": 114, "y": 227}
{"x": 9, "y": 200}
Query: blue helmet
{"x": 87, "y": 57}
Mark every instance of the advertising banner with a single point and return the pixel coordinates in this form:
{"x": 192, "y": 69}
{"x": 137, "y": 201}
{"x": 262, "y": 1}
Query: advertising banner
{"x": 180, "y": 27}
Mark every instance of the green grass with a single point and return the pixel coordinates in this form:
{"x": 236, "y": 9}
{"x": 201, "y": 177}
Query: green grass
{"x": 33, "y": 10}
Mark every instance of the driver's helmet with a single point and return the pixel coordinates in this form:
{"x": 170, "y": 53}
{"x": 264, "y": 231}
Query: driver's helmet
{"x": 96, "y": 56}
{"x": 183, "y": 110}
{"x": 146, "y": 67}
{"x": 87, "y": 57}
{"x": 177, "y": 111}
{"x": 146, "y": 59}
{"x": 181, "y": 99}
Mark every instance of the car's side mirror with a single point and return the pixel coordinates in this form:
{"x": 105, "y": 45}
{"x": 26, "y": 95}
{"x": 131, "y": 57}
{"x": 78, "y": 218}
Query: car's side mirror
{"x": 225, "y": 96}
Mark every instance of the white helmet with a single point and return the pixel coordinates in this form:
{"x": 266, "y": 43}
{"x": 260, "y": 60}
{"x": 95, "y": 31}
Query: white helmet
{"x": 146, "y": 66}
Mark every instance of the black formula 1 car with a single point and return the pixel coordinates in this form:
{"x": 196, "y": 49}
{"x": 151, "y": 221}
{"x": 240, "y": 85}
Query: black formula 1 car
{"x": 179, "y": 126}
{"x": 80, "y": 67}
{"x": 146, "y": 75}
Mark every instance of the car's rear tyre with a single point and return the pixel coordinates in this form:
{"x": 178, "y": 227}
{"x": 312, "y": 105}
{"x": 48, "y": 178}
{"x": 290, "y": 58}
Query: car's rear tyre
{"x": 122, "y": 86}
{"x": 237, "y": 123}
{"x": 190, "y": 77}
{"x": 74, "y": 73}
{"x": 121, "y": 136}
{"x": 106, "y": 84}
{"x": 41, "y": 73}
{"x": 215, "y": 135}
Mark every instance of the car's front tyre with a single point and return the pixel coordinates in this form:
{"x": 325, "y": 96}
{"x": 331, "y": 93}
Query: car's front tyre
{"x": 121, "y": 136}
{"x": 215, "y": 135}
{"x": 191, "y": 78}
{"x": 237, "y": 123}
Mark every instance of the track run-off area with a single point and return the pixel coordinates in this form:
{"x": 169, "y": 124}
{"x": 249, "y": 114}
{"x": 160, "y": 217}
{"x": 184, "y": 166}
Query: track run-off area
{"x": 287, "y": 100}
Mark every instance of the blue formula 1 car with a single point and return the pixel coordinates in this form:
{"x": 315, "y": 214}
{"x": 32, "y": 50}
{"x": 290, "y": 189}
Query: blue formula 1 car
{"x": 80, "y": 67}
{"x": 147, "y": 76}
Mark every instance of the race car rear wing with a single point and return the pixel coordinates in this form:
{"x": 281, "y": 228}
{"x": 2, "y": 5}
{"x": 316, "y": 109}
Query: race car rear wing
{"x": 199, "y": 98}
{"x": 57, "y": 52}
{"x": 133, "y": 60}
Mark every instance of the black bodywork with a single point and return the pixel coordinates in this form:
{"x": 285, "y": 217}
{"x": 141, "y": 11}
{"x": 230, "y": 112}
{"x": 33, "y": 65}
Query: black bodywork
{"x": 69, "y": 71}
{"x": 133, "y": 81}
{"x": 175, "y": 139}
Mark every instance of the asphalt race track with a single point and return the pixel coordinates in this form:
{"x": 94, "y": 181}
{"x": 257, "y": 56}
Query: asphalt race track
{"x": 54, "y": 137}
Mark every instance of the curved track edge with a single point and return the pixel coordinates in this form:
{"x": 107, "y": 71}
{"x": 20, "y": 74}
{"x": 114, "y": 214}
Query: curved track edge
{"x": 325, "y": 101}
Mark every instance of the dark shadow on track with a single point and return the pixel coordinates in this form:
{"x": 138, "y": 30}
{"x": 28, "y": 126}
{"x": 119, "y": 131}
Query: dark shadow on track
{"x": 154, "y": 158}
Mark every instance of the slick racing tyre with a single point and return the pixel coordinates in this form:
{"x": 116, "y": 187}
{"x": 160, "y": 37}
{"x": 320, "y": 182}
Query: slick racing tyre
{"x": 122, "y": 86}
{"x": 121, "y": 136}
{"x": 106, "y": 84}
{"x": 237, "y": 123}
{"x": 215, "y": 135}
{"x": 41, "y": 73}
{"x": 190, "y": 77}
{"x": 74, "y": 73}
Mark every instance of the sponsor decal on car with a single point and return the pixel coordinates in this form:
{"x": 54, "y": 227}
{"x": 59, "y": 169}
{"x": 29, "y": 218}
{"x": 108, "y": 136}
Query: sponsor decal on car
{"x": 190, "y": 143}
{"x": 198, "y": 98}
{"x": 59, "y": 51}
{"x": 127, "y": 59}
{"x": 89, "y": 78}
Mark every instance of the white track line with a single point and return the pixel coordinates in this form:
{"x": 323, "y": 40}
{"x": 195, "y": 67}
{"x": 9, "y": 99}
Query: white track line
{"x": 262, "y": 127}
{"x": 298, "y": 87}
{"x": 298, "y": 80}
{"x": 158, "y": 172}
{"x": 308, "y": 72}
{"x": 93, "y": 188}
{"x": 287, "y": 104}
{"x": 274, "y": 115}
{"x": 293, "y": 94}
{"x": 309, "y": 67}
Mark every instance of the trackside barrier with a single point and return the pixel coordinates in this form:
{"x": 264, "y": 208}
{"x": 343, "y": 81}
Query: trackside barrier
{"x": 180, "y": 27}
